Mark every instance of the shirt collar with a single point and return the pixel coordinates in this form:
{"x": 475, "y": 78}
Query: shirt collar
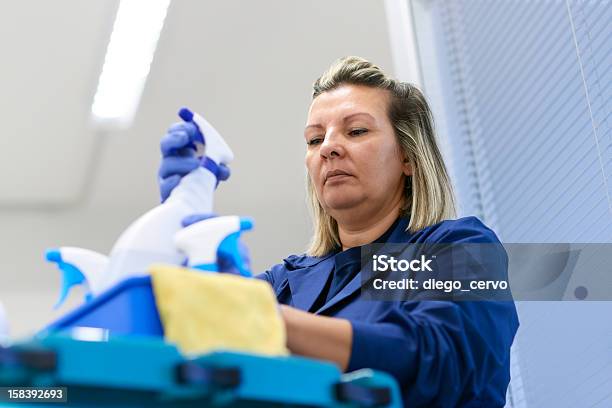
{"x": 395, "y": 234}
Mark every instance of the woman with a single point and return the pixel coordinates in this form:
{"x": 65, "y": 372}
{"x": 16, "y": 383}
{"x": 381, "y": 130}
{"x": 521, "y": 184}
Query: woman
{"x": 376, "y": 175}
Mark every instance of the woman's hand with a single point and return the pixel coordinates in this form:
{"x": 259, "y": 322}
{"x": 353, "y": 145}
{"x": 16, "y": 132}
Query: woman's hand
{"x": 321, "y": 337}
{"x": 179, "y": 157}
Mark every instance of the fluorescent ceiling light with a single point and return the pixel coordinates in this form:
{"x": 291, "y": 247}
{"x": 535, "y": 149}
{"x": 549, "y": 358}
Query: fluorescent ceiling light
{"x": 128, "y": 59}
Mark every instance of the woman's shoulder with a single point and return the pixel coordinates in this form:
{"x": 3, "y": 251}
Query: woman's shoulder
{"x": 278, "y": 273}
{"x": 466, "y": 229}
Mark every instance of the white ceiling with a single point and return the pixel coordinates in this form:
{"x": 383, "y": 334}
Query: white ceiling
{"x": 51, "y": 57}
{"x": 246, "y": 66}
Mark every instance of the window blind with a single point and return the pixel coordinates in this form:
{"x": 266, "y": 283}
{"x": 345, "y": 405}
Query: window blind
{"x": 523, "y": 91}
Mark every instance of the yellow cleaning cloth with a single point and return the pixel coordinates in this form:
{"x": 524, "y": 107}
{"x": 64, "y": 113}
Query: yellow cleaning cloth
{"x": 204, "y": 311}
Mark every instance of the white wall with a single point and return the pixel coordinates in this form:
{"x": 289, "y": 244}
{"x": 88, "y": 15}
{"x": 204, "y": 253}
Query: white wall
{"x": 247, "y": 67}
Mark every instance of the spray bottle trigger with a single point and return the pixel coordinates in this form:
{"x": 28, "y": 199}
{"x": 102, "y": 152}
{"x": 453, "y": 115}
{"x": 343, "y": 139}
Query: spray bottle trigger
{"x": 230, "y": 248}
{"x": 71, "y": 275}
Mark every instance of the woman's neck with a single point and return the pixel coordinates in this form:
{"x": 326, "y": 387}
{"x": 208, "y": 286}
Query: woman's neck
{"x": 357, "y": 233}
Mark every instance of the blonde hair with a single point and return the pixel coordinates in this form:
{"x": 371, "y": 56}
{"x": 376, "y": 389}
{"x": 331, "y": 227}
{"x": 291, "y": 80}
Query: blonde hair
{"x": 428, "y": 194}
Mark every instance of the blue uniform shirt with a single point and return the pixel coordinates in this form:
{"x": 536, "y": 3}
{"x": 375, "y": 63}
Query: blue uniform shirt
{"x": 346, "y": 266}
{"x": 442, "y": 353}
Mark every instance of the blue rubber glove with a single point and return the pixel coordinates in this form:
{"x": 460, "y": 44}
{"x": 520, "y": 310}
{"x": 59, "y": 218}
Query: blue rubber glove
{"x": 179, "y": 157}
{"x": 225, "y": 265}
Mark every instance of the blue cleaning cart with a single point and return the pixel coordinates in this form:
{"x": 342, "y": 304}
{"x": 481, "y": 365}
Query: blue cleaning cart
{"x": 148, "y": 372}
{"x": 111, "y": 352}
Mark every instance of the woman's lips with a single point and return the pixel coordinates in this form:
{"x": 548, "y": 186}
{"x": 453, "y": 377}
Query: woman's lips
{"x": 337, "y": 179}
{"x": 336, "y": 176}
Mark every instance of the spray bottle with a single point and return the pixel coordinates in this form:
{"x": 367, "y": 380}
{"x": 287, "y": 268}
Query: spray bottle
{"x": 149, "y": 239}
{"x": 206, "y": 241}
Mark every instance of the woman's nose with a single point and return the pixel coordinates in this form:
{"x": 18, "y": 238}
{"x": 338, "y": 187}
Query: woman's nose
{"x": 332, "y": 146}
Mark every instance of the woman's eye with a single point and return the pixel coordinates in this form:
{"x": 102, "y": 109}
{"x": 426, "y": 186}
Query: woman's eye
{"x": 357, "y": 132}
{"x": 314, "y": 141}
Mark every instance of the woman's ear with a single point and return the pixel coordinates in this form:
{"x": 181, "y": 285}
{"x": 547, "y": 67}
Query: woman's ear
{"x": 406, "y": 168}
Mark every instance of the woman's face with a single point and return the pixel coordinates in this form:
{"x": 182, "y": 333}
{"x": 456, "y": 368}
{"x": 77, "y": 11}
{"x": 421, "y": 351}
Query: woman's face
{"x": 353, "y": 158}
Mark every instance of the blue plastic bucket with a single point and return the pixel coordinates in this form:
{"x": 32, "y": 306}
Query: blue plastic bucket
{"x": 128, "y": 308}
